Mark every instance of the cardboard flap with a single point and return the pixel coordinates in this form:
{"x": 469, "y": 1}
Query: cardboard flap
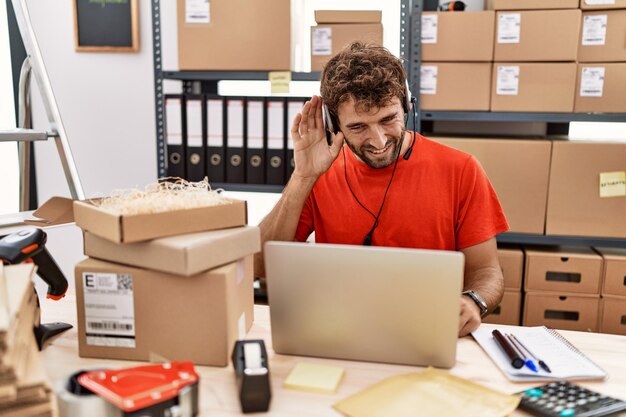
{"x": 348, "y": 16}
{"x": 57, "y": 210}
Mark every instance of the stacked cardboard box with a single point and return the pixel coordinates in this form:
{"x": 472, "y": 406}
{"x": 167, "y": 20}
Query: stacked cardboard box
{"x": 601, "y": 85}
{"x": 24, "y": 390}
{"x": 562, "y": 288}
{"x": 536, "y": 47}
{"x": 337, "y": 28}
{"x": 613, "y": 301}
{"x": 457, "y": 51}
{"x": 512, "y": 263}
{"x": 184, "y": 297}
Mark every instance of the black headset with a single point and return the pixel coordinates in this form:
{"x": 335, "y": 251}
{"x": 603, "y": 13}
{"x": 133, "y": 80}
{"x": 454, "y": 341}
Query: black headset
{"x": 331, "y": 125}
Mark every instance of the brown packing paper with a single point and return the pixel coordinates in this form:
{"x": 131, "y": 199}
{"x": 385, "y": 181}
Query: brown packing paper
{"x": 433, "y": 392}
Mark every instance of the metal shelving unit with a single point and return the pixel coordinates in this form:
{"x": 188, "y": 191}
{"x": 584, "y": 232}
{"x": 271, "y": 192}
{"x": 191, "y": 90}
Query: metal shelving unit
{"x": 410, "y": 51}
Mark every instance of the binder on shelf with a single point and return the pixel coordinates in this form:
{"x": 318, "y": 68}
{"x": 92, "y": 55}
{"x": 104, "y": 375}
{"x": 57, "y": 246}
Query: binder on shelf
{"x": 174, "y": 136}
{"x": 276, "y": 137}
{"x": 196, "y": 144}
{"x": 294, "y": 107}
{"x": 254, "y": 139}
{"x": 215, "y": 115}
{"x": 235, "y": 164}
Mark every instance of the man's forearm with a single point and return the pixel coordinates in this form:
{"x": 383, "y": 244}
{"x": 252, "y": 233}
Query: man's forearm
{"x": 488, "y": 282}
{"x": 281, "y": 223}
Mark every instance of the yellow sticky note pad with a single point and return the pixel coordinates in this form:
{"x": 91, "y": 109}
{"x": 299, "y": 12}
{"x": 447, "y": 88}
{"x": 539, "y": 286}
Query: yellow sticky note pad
{"x": 314, "y": 378}
{"x": 613, "y": 184}
{"x": 279, "y": 81}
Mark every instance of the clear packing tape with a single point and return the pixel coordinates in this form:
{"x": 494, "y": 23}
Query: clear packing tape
{"x": 431, "y": 392}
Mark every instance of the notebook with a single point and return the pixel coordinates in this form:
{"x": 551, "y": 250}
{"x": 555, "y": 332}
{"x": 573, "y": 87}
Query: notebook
{"x": 563, "y": 359}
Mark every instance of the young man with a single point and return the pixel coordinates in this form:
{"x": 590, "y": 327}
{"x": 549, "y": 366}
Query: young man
{"x": 378, "y": 184}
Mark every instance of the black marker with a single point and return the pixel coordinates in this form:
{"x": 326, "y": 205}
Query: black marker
{"x": 516, "y": 361}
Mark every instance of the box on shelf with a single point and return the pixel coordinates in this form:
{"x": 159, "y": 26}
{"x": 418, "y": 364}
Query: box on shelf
{"x": 602, "y": 4}
{"x": 613, "y": 315}
{"x": 603, "y": 35}
{"x": 138, "y": 227}
{"x": 445, "y": 86}
{"x": 337, "y": 28}
{"x": 563, "y": 270}
{"x": 509, "y": 310}
{"x": 519, "y": 171}
{"x": 601, "y": 88}
{"x": 158, "y": 316}
{"x": 587, "y": 191}
{"x": 566, "y": 311}
{"x": 537, "y": 35}
{"x": 466, "y": 36}
{"x": 512, "y": 264}
{"x": 531, "y": 4}
{"x": 261, "y": 41}
{"x": 614, "y": 271}
{"x": 533, "y": 87}
{"x": 187, "y": 254}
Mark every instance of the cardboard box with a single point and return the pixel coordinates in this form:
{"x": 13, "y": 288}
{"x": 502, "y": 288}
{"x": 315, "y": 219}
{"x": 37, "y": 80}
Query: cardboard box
{"x": 533, "y": 87}
{"x": 566, "y": 312}
{"x": 156, "y": 316}
{"x": 512, "y": 265}
{"x": 466, "y": 36}
{"x": 538, "y": 35}
{"x": 135, "y": 228}
{"x": 563, "y": 270}
{"x": 603, "y": 4}
{"x": 613, "y": 315}
{"x": 601, "y": 88}
{"x": 445, "y": 86}
{"x": 587, "y": 195}
{"x": 519, "y": 171}
{"x": 338, "y": 28}
{"x": 236, "y": 35}
{"x": 531, "y": 4}
{"x": 509, "y": 310}
{"x": 603, "y": 37}
{"x": 183, "y": 254}
{"x": 614, "y": 271}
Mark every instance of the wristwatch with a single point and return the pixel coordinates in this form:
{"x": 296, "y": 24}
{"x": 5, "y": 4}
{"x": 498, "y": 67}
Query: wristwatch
{"x": 482, "y": 305}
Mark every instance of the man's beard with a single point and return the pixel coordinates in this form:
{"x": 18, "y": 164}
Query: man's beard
{"x": 394, "y": 145}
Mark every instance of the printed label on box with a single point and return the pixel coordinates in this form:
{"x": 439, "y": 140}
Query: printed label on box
{"x": 594, "y": 29}
{"x": 428, "y": 79}
{"x": 592, "y": 82}
{"x": 109, "y": 309}
{"x": 429, "y": 28}
{"x": 197, "y": 11}
{"x": 613, "y": 184}
{"x": 509, "y": 27}
{"x": 322, "y": 41}
{"x": 599, "y": 1}
{"x": 507, "y": 83}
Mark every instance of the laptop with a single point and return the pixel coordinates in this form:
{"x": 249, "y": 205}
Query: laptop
{"x": 364, "y": 303}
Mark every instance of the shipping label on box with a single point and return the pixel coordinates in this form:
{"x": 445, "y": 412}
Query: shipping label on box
{"x": 322, "y": 41}
{"x": 592, "y": 81}
{"x": 428, "y": 79}
{"x": 507, "y": 83}
{"x": 509, "y": 27}
{"x": 197, "y": 11}
{"x": 599, "y": 2}
{"x": 612, "y": 184}
{"x": 429, "y": 28}
{"x": 594, "y": 29}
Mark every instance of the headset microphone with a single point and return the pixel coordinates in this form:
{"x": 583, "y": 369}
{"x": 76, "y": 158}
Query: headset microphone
{"x": 408, "y": 152}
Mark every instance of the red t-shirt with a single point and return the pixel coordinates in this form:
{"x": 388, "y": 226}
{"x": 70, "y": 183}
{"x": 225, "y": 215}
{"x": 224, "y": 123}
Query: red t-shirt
{"x": 439, "y": 199}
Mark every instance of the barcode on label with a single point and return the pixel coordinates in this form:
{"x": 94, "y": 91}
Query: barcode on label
{"x": 109, "y": 325}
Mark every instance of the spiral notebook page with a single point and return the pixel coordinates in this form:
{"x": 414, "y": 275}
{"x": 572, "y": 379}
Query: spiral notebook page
{"x": 563, "y": 359}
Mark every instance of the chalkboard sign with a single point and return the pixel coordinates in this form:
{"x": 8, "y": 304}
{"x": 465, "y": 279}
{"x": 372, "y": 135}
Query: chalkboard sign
{"x": 106, "y": 25}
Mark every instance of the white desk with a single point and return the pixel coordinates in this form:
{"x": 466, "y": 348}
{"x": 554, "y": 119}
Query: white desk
{"x": 218, "y": 396}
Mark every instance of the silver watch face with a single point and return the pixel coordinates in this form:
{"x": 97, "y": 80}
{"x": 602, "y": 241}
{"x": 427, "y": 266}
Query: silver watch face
{"x": 482, "y": 305}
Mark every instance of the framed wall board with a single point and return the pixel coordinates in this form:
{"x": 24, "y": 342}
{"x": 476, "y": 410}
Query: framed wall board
{"x": 106, "y": 25}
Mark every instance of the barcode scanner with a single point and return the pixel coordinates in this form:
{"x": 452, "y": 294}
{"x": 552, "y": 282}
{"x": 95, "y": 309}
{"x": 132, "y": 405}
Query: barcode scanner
{"x": 27, "y": 245}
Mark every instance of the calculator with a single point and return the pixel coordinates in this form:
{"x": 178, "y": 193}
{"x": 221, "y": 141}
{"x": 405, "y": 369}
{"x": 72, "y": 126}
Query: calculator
{"x": 565, "y": 399}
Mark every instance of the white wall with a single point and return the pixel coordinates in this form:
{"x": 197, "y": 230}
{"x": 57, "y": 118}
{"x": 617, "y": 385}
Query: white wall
{"x": 106, "y": 101}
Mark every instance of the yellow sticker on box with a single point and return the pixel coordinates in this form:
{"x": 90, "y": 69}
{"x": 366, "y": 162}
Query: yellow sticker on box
{"x": 613, "y": 184}
{"x": 280, "y": 81}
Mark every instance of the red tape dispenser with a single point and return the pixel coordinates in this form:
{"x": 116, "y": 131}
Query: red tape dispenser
{"x": 169, "y": 389}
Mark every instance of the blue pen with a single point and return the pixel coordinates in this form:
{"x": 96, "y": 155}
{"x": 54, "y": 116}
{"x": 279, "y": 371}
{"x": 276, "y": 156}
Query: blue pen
{"x": 527, "y": 361}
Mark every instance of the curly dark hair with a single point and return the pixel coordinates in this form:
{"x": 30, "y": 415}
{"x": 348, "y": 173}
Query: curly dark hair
{"x": 367, "y": 73}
